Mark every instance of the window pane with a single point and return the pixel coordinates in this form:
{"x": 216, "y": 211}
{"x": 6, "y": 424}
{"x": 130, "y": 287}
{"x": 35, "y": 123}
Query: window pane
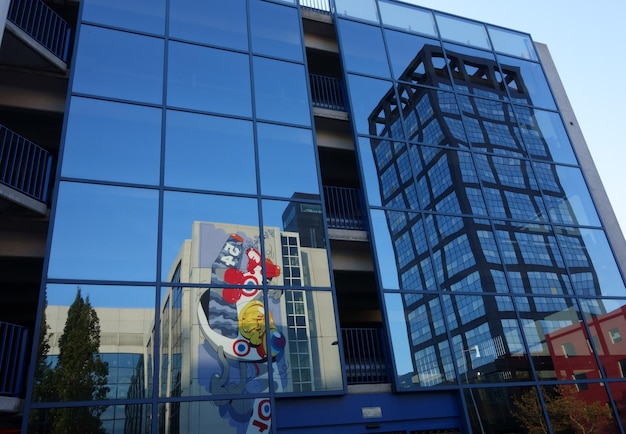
{"x": 513, "y": 43}
{"x": 84, "y": 328}
{"x": 275, "y": 30}
{"x": 104, "y": 232}
{"x": 408, "y": 18}
{"x": 142, "y": 15}
{"x": 208, "y": 79}
{"x": 363, "y": 49}
{"x": 112, "y": 141}
{"x": 209, "y": 153}
{"x": 289, "y": 153}
{"x": 281, "y": 92}
{"x": 363, "y": 9}
{"x": 404, "y": 50}
{"x": 119, "y": 65}
{"x": 369, "y": 97}
{"x": 110, "y": 418}
{"x": 295, "y": 235}
{"x": 462, "y": 31}
{"x": 474, "y": 71}
{"x": 184, "y": 213}
{"x": 526, "y": 82}
{"x": 210, "y": 22}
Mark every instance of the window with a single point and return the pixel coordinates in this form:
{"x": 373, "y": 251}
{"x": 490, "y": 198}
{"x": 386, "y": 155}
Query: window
{"x": 615, "y": 335}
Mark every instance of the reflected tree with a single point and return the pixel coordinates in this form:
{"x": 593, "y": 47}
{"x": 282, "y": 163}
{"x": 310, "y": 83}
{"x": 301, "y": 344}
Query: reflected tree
{"x": 80, "y": 375}
{"x": 568, "y": 412}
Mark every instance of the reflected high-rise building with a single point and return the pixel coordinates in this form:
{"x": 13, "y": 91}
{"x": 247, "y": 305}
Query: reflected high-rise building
{"x": 329, "y": 216}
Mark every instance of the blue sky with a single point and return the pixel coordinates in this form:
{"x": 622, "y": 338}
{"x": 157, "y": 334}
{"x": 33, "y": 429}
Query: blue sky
{"x": 586, "y": 42}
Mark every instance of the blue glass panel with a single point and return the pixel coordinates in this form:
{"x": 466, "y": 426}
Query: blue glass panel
{"x": 474, "y": 71}
{"x": 370, "y": 172}
{"x": 404, "y": 50}
{"x": 591, "y": 262}
{"x": 403, "y": 359}
{"x": 513, "y": 43}
{"x": 286, "y": 161}
{"x": 544, "y": 135}
{"x": 408, "y": 18}
{"x": 185, "y": 212}
{"x": 362, "y": 9}
{"x": 370, "y": 98}
{"x": 104, "y": 232}
{"x": 566, "y": 195}
{"x": 209, "y": 153}
{"x": 119, "y": 65}
{"x": 387, "y": 262}
{"x": 281, "y": 92}
{"x": 208, "y": 79}
{"x": 142, "y": 15}
{"x": 211, "y": 22}
{"x": 462, "y": 31}
{"x": 275, "y": 30}
{"x": 526, "y": 82}
{"x": 112, "y": 141}
{"x": 363, "y": 49}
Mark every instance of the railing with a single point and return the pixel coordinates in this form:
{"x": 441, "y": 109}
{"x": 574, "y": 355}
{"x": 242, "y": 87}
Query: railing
{"x": 319, "y": 5}
{"x": 344, "y": 208}
{"x": 43, "y": 24}
{"x": 328, "y": 93}
{"x": 12, "y": 358}
{"x": 24, "y": 166}
{"x": 365, "y": 356}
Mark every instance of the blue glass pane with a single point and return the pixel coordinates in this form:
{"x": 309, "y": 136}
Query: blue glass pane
{"x": 281, "y": 92}
{"x": 474, "y": 71}
{"x": 407, "y": 18}
{"x": 513, "y": 43}
{"x": 112, "y": 141}
{"x": 526, "y": 82}
{"x": 209, "y": 153}
{"x": 119, "y": 65}
{"x": 463, "y": 31}
{"x": 208, "y": 79}
{"x": 286, "y": 161}
{"x": 369, "y": 98}
{"x": 104, "y": 232}
{"x": 362, "y": 9}
{"x": 214, "y": 22}
{"x": 387, "y": 263}
{"x": 142, "y": 15}
{"x": 396, "y": 319}
{"x": 275, "y": 30}
{"x": 363, "y": 49}
{"x": 404, "y": 50}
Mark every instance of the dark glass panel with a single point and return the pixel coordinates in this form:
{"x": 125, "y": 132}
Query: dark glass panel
{"x": 119, "y": 65}
{"x": 407, "y": 18}
{"x": 505, "y": 409}
{"x": 409, "y": 58}
{"x": 362, "y": 9}
{"x": 281, "y": 92}
{"x": 102, "y": 329}
{"x": 286, "y": 161}
{"x": 135, "y": 418}
{"x": 208, "y": 79}
{"x": 513, "y": 43}
{"x": 295, "y": 241}
{"x": 141, "y": 15}
{"x": 566, "y": 195}
{"x": 185, "y": 214}
{"x": 212, "y": 22}
{"x": 275, "y": 30}
{"x": 104, "y": 232}
{"x": 544, "y": 135}
{"x": 363, "y": 48}
{"x": 112, "y": 141}
{"x": 526, "y": 82}
{"x": 591, "y": 262}
{"x": 209, "y": 152}
{"x": 374, "y": 107}
{"x": 474, "y": 71}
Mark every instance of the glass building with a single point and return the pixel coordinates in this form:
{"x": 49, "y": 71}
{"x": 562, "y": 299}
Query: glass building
{"x": 313, "y": 216}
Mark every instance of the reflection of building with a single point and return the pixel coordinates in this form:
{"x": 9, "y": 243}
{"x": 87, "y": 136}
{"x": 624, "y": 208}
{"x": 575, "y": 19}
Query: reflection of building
{"x": 417, "y": 178}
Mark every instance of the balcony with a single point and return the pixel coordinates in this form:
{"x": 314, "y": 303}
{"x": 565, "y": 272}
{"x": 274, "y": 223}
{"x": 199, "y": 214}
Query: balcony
{"x": 33, "y": 24}
{"x": 365, "y": 356}
{"x": 328, "y": 93}
{"x": 25, "y": 169}
{"x": 344, "y": 208}
{"x": 13, "y": 357}
{"x": 323, "y": 6}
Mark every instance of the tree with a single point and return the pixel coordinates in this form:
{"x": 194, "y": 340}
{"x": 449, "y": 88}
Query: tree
{"x": 80, "y": 375}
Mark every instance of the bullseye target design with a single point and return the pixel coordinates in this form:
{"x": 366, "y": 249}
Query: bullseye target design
{"x": 241, "y": 348}
{"x": 264, "y": 409}
{"x": 249, "y": 292}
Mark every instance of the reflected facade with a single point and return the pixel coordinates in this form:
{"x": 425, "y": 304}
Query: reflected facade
{"x": 277, "y": 217}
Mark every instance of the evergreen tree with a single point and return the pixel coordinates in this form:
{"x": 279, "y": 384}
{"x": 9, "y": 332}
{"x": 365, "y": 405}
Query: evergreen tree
{"x": 80, "y": 375}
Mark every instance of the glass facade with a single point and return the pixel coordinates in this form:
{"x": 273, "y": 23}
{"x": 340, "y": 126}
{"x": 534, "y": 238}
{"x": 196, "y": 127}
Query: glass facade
{"x": 202, "y": 290}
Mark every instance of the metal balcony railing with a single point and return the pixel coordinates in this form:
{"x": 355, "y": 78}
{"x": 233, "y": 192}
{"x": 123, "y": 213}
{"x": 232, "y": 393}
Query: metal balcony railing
{"x": 43, "y": 24}
{"x": 328, "y": 93}
{"x": 323, "y": 6}
{"x": 24, "y": 166}
{"x": 13, "y": 340}
{"x": 344, "y": 208}
{"x": 365, "y": 356}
